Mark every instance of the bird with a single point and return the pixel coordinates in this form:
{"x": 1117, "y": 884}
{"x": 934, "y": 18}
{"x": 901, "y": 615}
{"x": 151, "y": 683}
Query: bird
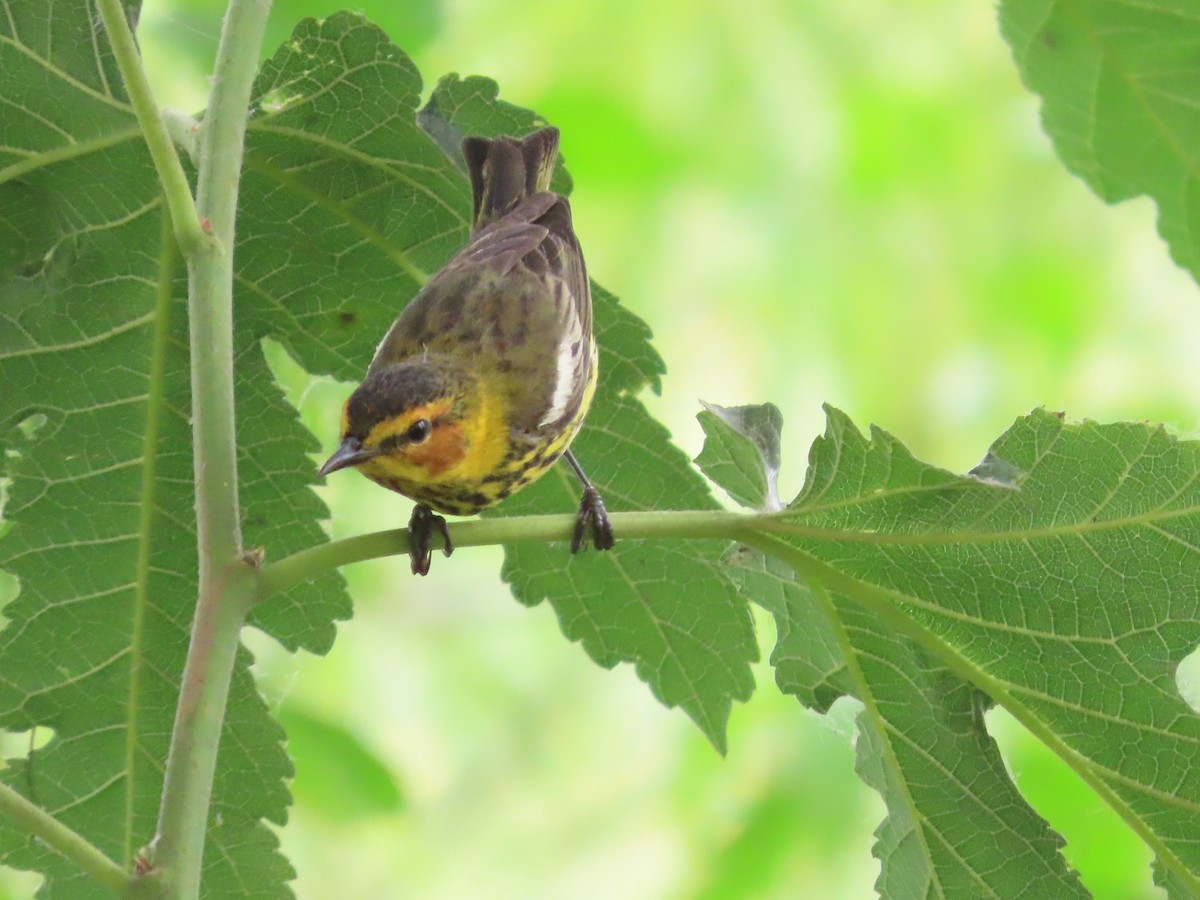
{"x": 484, "y": 379}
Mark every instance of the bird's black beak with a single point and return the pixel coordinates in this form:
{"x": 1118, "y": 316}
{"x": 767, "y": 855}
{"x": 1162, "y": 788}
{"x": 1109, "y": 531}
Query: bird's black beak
{"x": 350, "y": 453}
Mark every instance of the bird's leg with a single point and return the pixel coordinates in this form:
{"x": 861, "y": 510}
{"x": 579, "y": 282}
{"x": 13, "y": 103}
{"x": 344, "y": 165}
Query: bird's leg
{"x": 420, "y": 537}
{"x": 593, "y": 517}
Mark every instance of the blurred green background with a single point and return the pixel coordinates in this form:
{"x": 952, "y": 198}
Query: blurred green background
{"x": 847, "y": 201}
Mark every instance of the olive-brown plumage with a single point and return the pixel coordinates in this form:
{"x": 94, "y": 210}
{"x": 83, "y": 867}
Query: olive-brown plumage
{"x": 484, "y": 379}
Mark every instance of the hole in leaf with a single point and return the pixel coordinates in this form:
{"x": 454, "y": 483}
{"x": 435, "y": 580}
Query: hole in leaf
{"x": 10, "y": 586}
{"x": 31, "y": 425}
{"x": 20, "y": 883}
{"x": 15, "y": 745}
{"x": 1187, "y": 679}
{"x": 276, "y": 101}
{"x": 20, "y": 751}
{"x": 275, "y": 668}
{"x": 997, "y": 472}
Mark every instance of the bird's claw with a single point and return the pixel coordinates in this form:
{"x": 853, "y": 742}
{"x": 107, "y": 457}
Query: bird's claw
{"x": 592, "y": 520}
{"x": 420, "y": 536}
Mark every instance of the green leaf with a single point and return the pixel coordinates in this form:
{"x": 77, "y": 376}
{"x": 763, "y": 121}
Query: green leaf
{"x": 101, "y": 538}
{"x": 92, "y": 637}
{"x": 671, "y": 610}
{"x": 741, "y": 452}
{"x": 1064, "y": 590}
{"x": 808, "y": 659}
{"x": 346, "y": 206}
{"x": 459, "y": 107}
{"x": 336, "y": 774}
{"x": 956, "y": 825}
{"x": 1118, "y": 83}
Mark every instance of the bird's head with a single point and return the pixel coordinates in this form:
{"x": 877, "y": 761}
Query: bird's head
{"x": 419, "y": 422}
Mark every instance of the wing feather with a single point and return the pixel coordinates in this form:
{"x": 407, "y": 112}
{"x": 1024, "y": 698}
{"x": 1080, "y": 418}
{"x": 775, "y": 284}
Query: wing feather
{"x": 516, "y": 302}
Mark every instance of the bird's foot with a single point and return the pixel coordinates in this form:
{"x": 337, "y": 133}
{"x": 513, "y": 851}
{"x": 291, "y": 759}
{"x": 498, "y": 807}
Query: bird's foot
{"x": 420, "y": 537}
{"x": 592, "y": 523}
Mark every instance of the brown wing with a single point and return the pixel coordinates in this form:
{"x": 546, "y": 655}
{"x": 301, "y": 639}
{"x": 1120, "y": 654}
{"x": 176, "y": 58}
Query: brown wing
{"x": 559, "y": 263}
{"x": 448, "y": 307}
{"x": 514, "y": 303}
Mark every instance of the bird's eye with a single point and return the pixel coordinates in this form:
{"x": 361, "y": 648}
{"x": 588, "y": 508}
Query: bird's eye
{"x": 418, "y": 431}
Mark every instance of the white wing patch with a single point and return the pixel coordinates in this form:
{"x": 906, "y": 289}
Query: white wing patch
{"x": 566, "y": 367}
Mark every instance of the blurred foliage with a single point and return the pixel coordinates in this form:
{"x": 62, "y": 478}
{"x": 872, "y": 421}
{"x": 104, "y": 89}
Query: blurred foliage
{"x": 868, "y": 179}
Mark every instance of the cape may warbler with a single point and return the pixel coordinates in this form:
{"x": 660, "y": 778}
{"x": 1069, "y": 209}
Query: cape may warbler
{"x": 483, "y": 380}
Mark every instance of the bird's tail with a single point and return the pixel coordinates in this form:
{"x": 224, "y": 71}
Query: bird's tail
{"x": 504, "y": 171}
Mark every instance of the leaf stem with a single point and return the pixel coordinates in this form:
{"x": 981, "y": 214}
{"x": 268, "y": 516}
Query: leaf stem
{"x": 308, "y": 564}
{"x": 168, "y": 265}
{"x": 188, "y": 233}
{"x": 39, "y": 823}
{"x": 184, "y": 131}
{"x": 866, "y": 696}
{"x": 227, "y": 578}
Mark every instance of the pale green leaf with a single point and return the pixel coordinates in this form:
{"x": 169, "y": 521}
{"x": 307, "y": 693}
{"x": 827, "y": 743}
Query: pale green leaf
{"x": 741, "y": 452}
{"x": 956, "y": 825}
{"x": 808, "y": 658}
{"x": 1119, "y": 83}
{"x": 1064, "y": 590}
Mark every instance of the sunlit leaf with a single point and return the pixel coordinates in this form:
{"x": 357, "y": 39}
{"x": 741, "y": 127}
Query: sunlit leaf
{"x": 741, "y": 452}
{"x": 1065, "y": 593}
{"x": 956, "y": 825}
{"x": 78, "y": 298}
{"x": 1118, "y": 83}
{"x": 95, "y": 642}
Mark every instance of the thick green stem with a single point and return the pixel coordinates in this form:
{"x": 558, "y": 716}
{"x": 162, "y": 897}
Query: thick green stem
{"x": 308, "y": 564}
{"x": 227, "y": 580}
{"x": 187, "y": 790}
{"x": 70, "y": 844}
{"x": 210, "y": 289}
{"x": 184, "y": 218}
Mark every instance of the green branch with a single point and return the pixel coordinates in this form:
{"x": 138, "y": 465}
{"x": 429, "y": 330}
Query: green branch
{"x": 39, "y": 823}
{"x": 227, "y": 579}
{"x": 184, "y": 218}
{"x": 178, "y": 849}
{"x": 308, "y": 564}
{"x": 184, "y": 131}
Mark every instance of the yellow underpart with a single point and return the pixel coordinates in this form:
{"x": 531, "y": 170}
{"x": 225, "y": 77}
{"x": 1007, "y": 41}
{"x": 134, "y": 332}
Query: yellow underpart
{"x": 488, "y": 435}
